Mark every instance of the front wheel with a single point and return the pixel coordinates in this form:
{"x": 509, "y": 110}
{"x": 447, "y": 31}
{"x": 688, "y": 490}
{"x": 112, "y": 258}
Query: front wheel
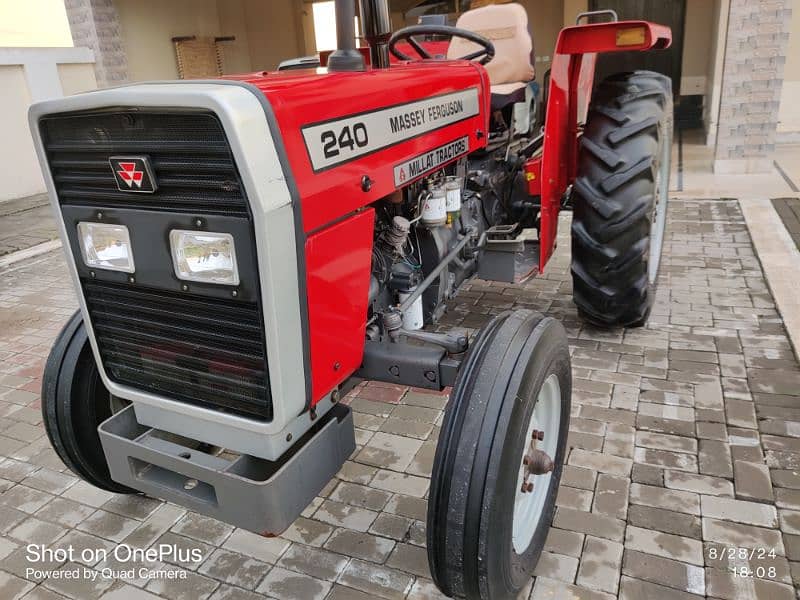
{"x": 620, "y": 199}
{"x": 499, "y": 458}
{"x": 74, "y": 403}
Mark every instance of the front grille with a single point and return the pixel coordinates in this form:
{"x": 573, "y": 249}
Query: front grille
{"x": 195, "y": 348}
{"x": 204, "y": 351}
{"x": 189, "y": 153}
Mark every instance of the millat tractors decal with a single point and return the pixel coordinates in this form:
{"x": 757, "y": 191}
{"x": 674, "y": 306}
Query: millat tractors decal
{"x": 332, "y": 143}
{"x": 430, "y": 161}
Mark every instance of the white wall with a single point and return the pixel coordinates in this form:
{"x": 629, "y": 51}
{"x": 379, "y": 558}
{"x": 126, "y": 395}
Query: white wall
{"x": 29, "y": 75}
{"x": 713, "y": 87}
{"x": 698, "y": 39}
{"x": 148, "y": 27}
{"x": 266, "y": 32}
{"x": 789, "y": 114}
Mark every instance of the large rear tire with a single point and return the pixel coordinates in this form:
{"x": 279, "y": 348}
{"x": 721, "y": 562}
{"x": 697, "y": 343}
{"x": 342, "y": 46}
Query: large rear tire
{"x": 74, "y": 403}
{"x": 484, "y": 533}
{"x": 620, "y": 199}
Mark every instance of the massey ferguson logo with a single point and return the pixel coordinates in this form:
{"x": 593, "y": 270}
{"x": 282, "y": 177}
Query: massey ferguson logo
{"x": 133, "y": 174}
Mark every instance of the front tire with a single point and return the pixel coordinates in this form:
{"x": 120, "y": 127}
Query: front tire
{"x": 74, "y": 403}
{"x": 484, "y": 535}
{"x": 620, "y": 199}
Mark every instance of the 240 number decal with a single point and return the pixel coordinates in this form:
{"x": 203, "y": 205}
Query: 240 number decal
{"x": 348, "y": 139}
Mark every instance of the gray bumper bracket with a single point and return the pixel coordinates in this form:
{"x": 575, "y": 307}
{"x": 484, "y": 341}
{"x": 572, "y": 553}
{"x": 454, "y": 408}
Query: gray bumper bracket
{"x": 252, "y": 493}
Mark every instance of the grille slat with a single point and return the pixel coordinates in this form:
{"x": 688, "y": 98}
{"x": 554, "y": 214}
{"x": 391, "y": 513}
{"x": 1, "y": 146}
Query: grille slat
{"x": 151, "y": 344}
{"x": 189, "y": 154}
{"x": 197, "y": 349}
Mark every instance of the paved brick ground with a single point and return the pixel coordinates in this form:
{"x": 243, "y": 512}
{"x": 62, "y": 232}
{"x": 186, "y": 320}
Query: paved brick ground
{"x": 25, "y": 222}
{"x": 685, "y": 449}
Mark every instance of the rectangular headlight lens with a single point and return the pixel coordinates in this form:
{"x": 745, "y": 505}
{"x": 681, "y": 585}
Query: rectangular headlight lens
{"x": 106, "y": 246}
{"x": 204, "y": 256}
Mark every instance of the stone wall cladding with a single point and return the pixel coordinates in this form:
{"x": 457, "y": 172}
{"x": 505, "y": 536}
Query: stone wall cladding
{"x": 95, "y": 24}
{"x": 753, "y": 77}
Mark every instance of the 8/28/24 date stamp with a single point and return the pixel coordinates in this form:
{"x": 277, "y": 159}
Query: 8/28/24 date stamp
{"x": 752, "y": 563}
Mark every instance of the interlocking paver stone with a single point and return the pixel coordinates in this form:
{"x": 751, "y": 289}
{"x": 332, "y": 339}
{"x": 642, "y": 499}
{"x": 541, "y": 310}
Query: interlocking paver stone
{"x": 685, "y": 436}
{"x": 600, "y": 565}
{"x": 739, "y": 511}
{"x": 664, "y": 571}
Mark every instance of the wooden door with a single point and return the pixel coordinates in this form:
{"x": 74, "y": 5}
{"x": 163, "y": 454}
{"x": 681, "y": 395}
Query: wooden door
{"x": 664, "y": 12}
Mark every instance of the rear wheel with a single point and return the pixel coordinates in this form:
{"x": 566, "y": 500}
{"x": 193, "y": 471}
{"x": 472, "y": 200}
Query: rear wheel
{"x": 74, "y": 403}
{"x": 620, "y": 199}
{"x": 499, "y": 458}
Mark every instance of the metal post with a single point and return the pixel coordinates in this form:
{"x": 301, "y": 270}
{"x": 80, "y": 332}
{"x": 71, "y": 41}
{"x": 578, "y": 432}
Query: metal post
{"x": 346, "y": 57}
{"x": 377, "y": 27}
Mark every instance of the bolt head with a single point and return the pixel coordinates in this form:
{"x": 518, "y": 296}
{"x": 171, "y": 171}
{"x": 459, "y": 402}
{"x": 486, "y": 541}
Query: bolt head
{"x": 198, "y": 223}
{"x": 234, "y": 293}
{"x": 185, "y": 287}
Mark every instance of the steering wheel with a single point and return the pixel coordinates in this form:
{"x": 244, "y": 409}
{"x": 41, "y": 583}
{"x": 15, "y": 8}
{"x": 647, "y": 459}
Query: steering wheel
{"x": 485, "y": 54}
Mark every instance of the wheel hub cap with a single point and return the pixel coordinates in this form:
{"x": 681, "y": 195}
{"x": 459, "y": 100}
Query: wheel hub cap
{"x": 537, "y": 464}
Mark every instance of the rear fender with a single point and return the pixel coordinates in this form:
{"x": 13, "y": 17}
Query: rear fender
{"x": 571, "y": 80}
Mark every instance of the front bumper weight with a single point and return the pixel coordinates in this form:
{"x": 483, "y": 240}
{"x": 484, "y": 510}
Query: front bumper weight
{"x": 258, "y": 495}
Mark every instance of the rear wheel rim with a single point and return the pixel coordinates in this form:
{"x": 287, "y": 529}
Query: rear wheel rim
{"x": 529, "y": 506}
{"x": 659, "y": 223}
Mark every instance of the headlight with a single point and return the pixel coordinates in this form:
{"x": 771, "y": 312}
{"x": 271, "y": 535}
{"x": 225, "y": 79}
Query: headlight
{"x": 106, "y": 246}
{"x": 204, "y": 257}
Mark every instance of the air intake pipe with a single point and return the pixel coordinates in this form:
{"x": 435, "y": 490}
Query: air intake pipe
{"x": 346, "y": 57}
{"x": 377, "y": 27}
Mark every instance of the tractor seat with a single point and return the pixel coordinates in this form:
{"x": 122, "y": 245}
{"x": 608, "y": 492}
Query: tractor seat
{"x": 506, "y": 26}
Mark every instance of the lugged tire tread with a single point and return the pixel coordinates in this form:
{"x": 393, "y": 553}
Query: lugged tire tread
{"x": 613, "y": 199}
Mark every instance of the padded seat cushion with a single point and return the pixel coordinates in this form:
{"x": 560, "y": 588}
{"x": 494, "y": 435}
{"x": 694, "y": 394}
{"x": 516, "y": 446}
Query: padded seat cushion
{"x": 506, "y": 26}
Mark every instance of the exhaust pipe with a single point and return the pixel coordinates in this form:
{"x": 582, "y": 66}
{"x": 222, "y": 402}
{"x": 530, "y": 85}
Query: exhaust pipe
{"x": 377, "y": 27}
{"x": 346, "y": 57}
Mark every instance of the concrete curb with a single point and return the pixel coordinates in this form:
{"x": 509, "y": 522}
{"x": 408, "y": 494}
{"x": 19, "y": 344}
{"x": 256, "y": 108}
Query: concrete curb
{"x": 779, "y": 259}
{"x": 33, "y": 251}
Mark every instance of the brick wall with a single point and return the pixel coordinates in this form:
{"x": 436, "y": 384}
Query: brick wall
{"x": 95, "y": 24}
{"x": 758, "y": 34}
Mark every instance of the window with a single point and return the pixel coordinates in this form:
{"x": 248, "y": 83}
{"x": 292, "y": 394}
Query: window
{"x": 324, "y": 14}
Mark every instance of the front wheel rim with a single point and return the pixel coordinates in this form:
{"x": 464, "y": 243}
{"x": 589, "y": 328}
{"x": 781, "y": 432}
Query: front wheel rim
{"x": 529, "y": 505}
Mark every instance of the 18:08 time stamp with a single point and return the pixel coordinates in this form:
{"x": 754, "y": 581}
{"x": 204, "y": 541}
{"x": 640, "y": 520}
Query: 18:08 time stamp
{"x": 739, "y": 559}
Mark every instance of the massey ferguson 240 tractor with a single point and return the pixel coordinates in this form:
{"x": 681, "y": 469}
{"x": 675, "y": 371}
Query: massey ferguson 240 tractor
{"x": 245, "y": 250}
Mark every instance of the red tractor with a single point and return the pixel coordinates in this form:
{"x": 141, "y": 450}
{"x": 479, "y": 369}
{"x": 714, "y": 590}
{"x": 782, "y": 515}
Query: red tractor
{"x": 244, "y": 250}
